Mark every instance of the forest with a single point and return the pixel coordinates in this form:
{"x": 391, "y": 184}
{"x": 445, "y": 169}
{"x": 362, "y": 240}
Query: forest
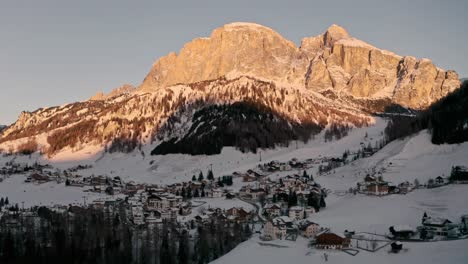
{"x": 244, "y": 125}
{"x": 103, "y": 236}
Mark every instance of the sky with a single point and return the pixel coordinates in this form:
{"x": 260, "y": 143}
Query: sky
{"x": 54, "y": 52}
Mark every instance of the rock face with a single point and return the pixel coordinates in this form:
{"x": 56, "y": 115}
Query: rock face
{"x": 124, "y": 89}
{"x": 331, "y": 61}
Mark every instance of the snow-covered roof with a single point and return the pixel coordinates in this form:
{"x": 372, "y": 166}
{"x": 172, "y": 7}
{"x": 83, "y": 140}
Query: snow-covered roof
{"x": 403, "y": 228}
{"x": 436, "y": 221}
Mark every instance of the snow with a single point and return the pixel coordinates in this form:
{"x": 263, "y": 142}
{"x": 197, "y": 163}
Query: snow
{"x": 49, "y": 193}
{"x": 251, "y": 251}
{"x": 408, "y": 159}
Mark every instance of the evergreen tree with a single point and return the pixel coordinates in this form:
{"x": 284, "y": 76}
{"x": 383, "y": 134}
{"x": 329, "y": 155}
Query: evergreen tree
{"x": 200, "y": 176}
{"x": 210, "y": 175}
{"x": 184, "y": 250}
{"x": 194, "y": 178}
{"x": 292, "y": 201}
{"x": 322, "y": 202}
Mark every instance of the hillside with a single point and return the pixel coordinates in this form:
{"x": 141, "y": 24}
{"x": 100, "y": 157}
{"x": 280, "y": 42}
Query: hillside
{"x": 446, "y": 120}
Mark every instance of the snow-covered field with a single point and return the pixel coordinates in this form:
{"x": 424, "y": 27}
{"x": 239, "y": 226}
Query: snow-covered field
{"x": 370, "y": 214}
{"x": 453, "y": 252}
{"x": 49, "y": 193}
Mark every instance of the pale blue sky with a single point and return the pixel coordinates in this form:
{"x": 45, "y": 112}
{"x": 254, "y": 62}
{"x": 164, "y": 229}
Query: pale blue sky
{"x": 58, "y": 51}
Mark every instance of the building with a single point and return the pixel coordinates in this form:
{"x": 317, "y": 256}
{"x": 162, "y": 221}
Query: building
{"x": 331, "y": 241}
{"x": 296, "y": 212}
{"x": 402, "y": 231}
{"x": 309, "y": 229}
{"x": 238, "y": 214}
{"x": 278, "y": 228}
{"x": 439, "y": 180}
{"x": 378, "y": 188}
{"x": 273, "y": 210}
{"x": 437, "y": 226}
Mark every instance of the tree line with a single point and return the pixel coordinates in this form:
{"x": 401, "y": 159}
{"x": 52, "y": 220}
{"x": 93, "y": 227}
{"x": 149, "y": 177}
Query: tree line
{"x": 86, "y": 235}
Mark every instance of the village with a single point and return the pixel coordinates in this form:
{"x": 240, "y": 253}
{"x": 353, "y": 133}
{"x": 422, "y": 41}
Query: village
{"x": 281, "y": 208}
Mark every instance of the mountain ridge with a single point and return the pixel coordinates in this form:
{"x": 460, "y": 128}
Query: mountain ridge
{"x": 330, "y": 78}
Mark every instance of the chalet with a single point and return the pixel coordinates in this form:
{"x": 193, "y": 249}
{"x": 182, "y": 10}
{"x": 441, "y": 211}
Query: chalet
{"x": 273, "y": 210}
{"x": 155, "y": 202}
{"x": 296, "y": 213}
{"x": 309, "y": 229}
{"x": 378, "y": 188}
{"x": 98, "y": 180}
{"x": 38, "y": 178}
{"x": 238, "y": 214}
{"x": 402, "y": 231}
{"x": 331, "y": 241}
{"x": 308, "y": 211}
{"x": 248, "y": 178}
{"x": 278, "y": 228}
{"x": 216, "y": 193}
{"x": 256, "y": 194}
{"x": 439, "y": 180}
{"x": 405, "y": 187}
{"x": 437, "y": 226}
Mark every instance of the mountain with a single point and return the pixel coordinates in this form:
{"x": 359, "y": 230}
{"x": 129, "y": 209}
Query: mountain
{"x": 242, "y": 68}
{"x": 333, "y": 62}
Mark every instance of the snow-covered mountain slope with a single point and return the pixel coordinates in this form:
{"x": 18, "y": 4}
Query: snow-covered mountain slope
{"x": 330, "y": 78}
{"x": 137, "y": 118}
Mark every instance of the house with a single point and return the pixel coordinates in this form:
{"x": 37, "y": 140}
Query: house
{"x": 331, "y": 241}
{"x": 296, "y": 212}
{"x": 402, "y": 231}
{"x": 38, "y": 178}
{"x": 308, "y": 211}
{"x": 378, "y": 188}
{"x": 156, "y": 203}
{"x": 439, "y": 180}
{"x": 278, "y": 228}
{"x": 238, "y": 214}
{"x": 437, "y": 226}
{"x": 405, "y": 187}
{"x": 309, "y": 229}
{"x": 256, "y": 194}
{"x": 248, "y": 178}
{"x": 273, "y": 210}
{"x": 216, "y": 193}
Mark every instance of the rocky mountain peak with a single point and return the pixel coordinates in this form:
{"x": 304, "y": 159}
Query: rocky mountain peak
{"x": 333, "y": 34}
